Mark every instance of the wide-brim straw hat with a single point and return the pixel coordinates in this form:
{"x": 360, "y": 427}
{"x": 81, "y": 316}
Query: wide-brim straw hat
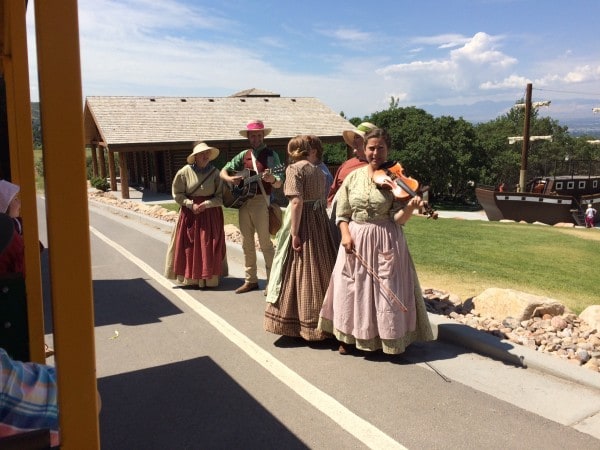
{"x": 255, "y": 125}
{"x": 361, "y": 130}
{"x": 7, "y": 231}
{"x": 202, "y": 147}
{"x": 8, "y": 191}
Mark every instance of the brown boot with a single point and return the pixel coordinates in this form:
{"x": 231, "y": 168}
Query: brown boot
{"x": 246, "y": 287}
{"x": 345, "y": 349}
{"x": 48, "y": 351}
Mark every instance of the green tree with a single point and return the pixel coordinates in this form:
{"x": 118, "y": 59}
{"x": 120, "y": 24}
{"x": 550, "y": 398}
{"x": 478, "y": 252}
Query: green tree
{"x": 441, "y": 153}
{"x": 334, "y": 154}
{"x": 543, "y": 157}
{"x": 36, "y": 125}
{"x": 462, "y": 161}
{"x": 502, "y": 158}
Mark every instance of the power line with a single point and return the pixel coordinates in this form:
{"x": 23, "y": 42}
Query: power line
{"x": 568, "y": 92}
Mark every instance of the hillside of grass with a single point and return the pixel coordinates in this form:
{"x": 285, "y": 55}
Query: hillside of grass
{"x": 468, "y": 256}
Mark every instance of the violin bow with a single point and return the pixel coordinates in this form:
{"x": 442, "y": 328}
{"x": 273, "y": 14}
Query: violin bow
{"x": 376, "y": 277}
{"x": 395, "y": 297}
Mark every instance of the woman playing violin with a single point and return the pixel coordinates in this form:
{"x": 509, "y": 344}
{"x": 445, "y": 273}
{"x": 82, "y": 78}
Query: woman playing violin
{"x": 374, "y": 300}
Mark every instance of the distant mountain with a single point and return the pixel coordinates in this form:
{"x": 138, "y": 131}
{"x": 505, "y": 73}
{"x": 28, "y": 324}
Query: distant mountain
{"x": 583, "y": 127}
{"x": 476, "y": 112}
{"x": 575, "y": 114}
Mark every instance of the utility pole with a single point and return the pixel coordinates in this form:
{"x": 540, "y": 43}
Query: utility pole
{"x": 523, "y": 173}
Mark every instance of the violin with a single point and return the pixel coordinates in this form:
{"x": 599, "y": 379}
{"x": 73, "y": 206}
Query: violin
{"x": 391, "y": 176}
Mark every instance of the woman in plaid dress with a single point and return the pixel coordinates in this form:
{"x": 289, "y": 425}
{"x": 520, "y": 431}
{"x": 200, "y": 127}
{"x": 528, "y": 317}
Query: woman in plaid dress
{"x": 305, "y": 250}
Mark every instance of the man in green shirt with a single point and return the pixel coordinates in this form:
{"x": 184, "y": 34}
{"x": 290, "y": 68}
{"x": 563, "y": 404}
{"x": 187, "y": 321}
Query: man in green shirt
{"x": 254, "y": 213}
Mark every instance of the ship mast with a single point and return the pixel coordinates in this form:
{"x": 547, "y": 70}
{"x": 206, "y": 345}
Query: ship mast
{"x": 523, "y": 172}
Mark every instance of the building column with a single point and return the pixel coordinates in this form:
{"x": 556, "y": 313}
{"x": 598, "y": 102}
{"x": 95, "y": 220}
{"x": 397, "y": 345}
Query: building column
{"x": 111, "y": 171}
{"x": 94, "y": 161}
{"x": 102, "y": 163}
{"x": 124, "y": 175}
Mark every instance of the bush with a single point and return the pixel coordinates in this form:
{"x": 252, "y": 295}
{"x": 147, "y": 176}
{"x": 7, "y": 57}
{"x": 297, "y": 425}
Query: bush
{"x": 88, "y": 166}
{"x": 334, "y": 154}
{"x": 39, "y": 166}
{"x": 100, "y": 183}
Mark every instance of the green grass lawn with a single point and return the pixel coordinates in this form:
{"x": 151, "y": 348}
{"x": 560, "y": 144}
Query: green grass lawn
{"x": 230, "y": 214}
{"x": 39, "y": 179}
{"x": 468, "y": 256}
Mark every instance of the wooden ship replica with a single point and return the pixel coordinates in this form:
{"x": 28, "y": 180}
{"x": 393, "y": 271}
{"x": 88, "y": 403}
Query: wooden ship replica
{"x": 561, "y": 197}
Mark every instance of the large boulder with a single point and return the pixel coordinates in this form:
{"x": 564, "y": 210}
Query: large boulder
{"x": 502, "y": 303}
{"x": 591, "y": 316}
{"x": 564, "y": 225}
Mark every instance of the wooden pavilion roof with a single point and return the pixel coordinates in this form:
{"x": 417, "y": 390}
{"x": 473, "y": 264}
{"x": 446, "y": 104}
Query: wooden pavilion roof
{"x": 121, "y": 122}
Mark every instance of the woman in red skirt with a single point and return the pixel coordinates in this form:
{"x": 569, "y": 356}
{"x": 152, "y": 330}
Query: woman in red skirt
{"x": 196, "y": 254}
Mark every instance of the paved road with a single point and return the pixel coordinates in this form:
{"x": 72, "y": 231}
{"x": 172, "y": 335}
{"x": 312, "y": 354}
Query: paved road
{"x": 194, "y": 369}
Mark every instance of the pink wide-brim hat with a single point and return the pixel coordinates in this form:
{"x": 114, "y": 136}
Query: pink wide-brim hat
{"x": 255, "y": 125}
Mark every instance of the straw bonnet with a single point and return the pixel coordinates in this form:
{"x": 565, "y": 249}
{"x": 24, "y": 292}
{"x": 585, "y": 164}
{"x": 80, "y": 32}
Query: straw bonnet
{"x": 7, "y": 230}
{"x": 8, "y": 191}
{"x": 202, "y": 147}
{"x": 361, "y": 130}
{"x": 255, "y": 125}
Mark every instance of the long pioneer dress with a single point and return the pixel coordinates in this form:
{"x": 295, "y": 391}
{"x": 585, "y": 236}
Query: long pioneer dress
{"x": 196, "y": 253}
{"x": 299, "y": 280}
{"x": 358, "y": 307}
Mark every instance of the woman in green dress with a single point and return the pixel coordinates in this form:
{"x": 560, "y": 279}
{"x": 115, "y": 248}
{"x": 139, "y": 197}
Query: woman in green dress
{"x": 305, "y": 250}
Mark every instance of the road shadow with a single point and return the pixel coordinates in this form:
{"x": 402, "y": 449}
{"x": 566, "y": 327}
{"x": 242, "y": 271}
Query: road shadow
{"x": 328, "y": 344}
{"x": 126, "y": 302}
{"x": 452, "y": 341}
{"x": 227, "y": 283}
{"x": 129, "y": 302}
{"x": 187, "y": 404}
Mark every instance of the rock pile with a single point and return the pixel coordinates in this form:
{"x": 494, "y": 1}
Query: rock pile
{"x": 152, "y": 210}
{"x": 565, "y": 336}
{"x": 156, "y": 211}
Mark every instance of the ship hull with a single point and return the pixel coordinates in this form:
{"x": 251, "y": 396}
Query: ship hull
{"x": 532, "y": 207}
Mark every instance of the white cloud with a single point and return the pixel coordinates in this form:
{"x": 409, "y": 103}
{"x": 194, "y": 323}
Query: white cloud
{"x": 480, "y": 50}
{"x": 513, "y": 81}
{"x": 144, "y": 17}
{"x": 442, "y": 40}
{"x": 144, "y": 47}
{"x": 583, "y": 74}
{"x": 271, "y": 41}
{"x": 462, "y": 71}
{"x": 348, "y": 35}
{"x": 400, "y": 96}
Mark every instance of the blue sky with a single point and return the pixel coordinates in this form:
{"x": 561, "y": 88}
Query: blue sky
{"x": 461, "y": 58}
